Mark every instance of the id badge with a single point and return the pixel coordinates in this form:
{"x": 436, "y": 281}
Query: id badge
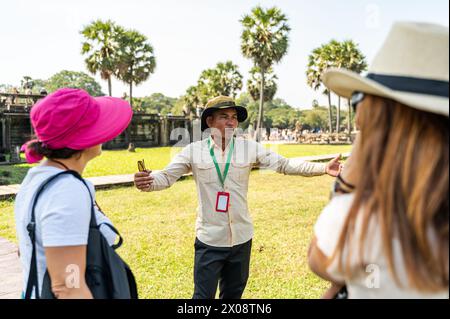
{"x": 222, "y": 202}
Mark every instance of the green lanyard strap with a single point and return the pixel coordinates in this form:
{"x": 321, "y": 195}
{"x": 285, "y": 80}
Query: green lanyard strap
{"x": 227, "y": 165}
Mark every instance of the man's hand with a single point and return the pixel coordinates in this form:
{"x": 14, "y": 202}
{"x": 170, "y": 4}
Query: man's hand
{"x": 143, "y": 180}
{"x": 334, "y": 166}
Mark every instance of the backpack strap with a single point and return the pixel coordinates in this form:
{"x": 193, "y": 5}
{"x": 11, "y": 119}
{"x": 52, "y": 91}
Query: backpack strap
{"x": 31, "y": 227}
{"x": 114, "y": 246}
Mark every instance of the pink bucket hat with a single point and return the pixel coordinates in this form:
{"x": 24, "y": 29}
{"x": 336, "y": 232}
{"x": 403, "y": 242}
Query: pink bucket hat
{"x": 71, "y": 118}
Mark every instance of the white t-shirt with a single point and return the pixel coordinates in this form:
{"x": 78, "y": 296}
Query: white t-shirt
{"x": 63, "y": 214}
{"x": 375, "y": 281}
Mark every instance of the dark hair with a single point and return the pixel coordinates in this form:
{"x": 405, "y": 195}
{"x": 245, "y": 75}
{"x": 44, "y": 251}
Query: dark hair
{"x": 41, "y": 149}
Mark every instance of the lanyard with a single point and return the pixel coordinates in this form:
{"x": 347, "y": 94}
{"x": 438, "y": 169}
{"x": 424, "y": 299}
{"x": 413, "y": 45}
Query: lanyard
{"x": 227, "y": 165}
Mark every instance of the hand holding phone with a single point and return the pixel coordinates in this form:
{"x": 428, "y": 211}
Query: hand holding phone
{"x": 141, "y": 166}
{"x": 143, "y": 180}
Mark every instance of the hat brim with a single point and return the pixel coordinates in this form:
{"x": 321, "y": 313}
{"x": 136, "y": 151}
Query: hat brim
{"x": 114, "y": 117}
{"x": 241, "y": 113}
{"x": 344, "y": 83}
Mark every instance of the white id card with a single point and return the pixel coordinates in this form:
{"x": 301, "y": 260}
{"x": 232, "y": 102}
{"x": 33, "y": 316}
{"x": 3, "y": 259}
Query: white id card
{"x": 222, "y": 202}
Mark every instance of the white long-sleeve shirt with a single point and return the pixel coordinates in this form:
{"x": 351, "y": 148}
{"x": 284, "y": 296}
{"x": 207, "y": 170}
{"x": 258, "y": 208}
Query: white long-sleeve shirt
{"x": 235, "y": 227}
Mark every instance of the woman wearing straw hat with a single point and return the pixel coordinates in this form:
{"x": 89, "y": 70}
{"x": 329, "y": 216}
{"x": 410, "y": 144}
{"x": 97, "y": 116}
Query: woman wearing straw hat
{"x": 70, "y": 126}
{"x": 388, "y": 237}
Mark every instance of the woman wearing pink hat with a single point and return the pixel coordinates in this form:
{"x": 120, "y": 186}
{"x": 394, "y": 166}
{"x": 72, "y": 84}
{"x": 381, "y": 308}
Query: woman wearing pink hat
{"x": 70, "y": 126}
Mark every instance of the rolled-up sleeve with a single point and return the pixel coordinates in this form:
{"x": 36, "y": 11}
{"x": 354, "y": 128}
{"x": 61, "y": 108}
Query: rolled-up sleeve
{"x": 265, "y": 158}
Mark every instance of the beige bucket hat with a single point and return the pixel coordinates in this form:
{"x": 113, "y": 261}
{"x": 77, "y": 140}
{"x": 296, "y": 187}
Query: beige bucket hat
{"x": 411, "y": 68}
{"x": 222, "y": 102}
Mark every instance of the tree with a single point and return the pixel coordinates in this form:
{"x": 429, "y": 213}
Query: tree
{"x": 353, "y": 60}
{"x": 283, "y": 117}
{"x": 247, "y": 101}
{"x": 39, "y": 84}
{"x": 254, "y": 84}
{"x": 4, "y": 88}
{"x": 27, "y": 82}
{"x": 157, "y": 103}
{"x": 180, "y": 108}
{"x": 224, "y": 79}
{"x": 191, "y": 99}
{"x": 76, "y": 80}
{"x": 314, "y": 119}
{"x": 319, "y": 60}
{"x": 315, "y": 104}
{"x": 135, "y": 59}
{"x": 265, "y": 42}
{"x": 100, "y": 45}
{"x": 135, "y": 62}
{"x": 333, "y": 54}
{"x": 347, "y": 55}
{"x": 278, "y": 113}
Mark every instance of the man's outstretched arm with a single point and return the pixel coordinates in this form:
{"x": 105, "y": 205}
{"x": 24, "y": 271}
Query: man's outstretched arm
{"x": 288, "y": 166}
{"x": 180, "y": 165}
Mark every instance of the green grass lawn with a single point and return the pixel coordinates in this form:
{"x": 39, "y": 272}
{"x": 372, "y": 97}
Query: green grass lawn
{"x": 158, "y": 229}
{"x": 124, "y": 162}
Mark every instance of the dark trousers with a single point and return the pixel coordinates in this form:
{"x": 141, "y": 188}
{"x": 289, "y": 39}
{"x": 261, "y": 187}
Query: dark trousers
{"x": 228, "y": 267}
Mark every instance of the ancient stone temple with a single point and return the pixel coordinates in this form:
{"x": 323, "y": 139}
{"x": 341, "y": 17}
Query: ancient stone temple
{"x": 145, "y": 130}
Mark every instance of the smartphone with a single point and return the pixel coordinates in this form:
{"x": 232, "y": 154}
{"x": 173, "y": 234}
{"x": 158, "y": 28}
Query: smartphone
{"x": 141, "y": 166}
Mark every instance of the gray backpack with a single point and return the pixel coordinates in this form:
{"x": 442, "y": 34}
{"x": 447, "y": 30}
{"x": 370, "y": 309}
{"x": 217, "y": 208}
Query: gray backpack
{"x": 107, "y": 275}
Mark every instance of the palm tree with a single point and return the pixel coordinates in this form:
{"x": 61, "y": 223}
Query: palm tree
{"x": 224, "y": 79}
{"x": 265, "y": 41}
{"x": 192, "y": 100}
{"x": 334, "y": 54}
{"x": 135, "y": 63}
{"x": 337, "y": 60}
{"x": 254, "y": 84}
{"x": 27, "y": 82}
{"x": 353, "y": 60}
{"x": 100, "y": 46}
{"x": 318, "y": 61}
{"x": 135, "y": 59}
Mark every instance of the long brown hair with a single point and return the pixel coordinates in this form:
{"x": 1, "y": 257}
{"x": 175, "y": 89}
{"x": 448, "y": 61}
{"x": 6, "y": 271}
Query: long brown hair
{"x": 402, "y": 169}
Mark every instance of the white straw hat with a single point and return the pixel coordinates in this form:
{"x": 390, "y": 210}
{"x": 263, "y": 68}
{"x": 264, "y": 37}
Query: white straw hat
{"x": 411, "y": 68}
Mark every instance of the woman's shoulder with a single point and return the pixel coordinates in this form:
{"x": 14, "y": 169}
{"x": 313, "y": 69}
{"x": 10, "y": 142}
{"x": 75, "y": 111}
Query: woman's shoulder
{"x": 330, "y": 222}
{"x": 333, "y": 215}
{"x": 63, "y": 186}
{"x": 72, "y": 186}
{"x": 341, "y": 203}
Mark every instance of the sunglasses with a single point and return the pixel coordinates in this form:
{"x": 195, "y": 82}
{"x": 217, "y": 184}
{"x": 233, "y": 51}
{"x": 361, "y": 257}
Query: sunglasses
{"x": 357, "y": 97}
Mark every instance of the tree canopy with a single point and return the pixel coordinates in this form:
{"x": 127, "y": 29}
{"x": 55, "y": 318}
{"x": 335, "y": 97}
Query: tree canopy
{"x": 73, "y": 79}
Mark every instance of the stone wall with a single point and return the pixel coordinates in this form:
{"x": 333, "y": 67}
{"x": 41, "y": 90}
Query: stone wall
{"x": 145, "y": 130}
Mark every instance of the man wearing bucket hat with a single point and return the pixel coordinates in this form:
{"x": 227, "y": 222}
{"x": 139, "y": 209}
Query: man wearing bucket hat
{"x": 70, "y": 126}
{"x": 387, "y": 235}
{"x": 221, "y": 165}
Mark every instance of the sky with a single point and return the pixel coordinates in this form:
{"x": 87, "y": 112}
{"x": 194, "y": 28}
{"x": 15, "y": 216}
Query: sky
{"x": 41, "y": 38}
